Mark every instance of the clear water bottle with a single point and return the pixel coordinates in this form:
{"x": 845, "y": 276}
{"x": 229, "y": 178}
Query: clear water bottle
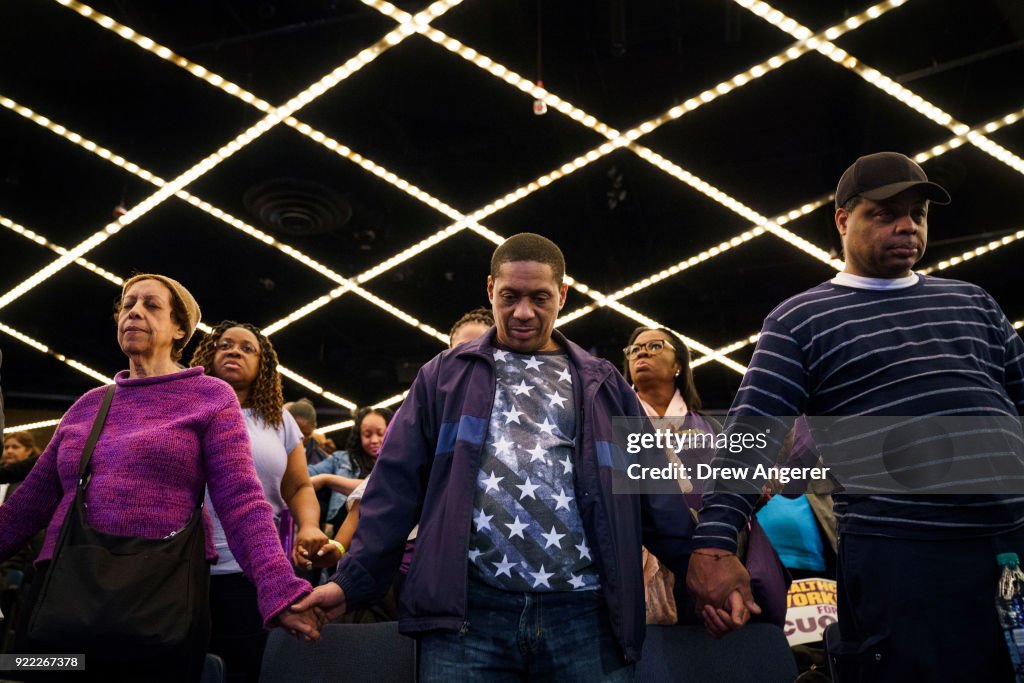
{"x": 1010, "y": 606}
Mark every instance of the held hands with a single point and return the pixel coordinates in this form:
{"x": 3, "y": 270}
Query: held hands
{"x": 308, "y": 542}
{"x": 328, "y": 598}
{"x": 329, "y": 555}
{"x": 722, "y": 588}
{"x": 305, "y": 624}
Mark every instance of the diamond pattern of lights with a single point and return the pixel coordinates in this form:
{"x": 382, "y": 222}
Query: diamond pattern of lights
{"x": 420, "y": 24}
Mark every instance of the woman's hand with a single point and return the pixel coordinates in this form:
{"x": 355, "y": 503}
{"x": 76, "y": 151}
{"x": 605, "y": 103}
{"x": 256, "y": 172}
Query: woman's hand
{"x": 305, "y": 624}
{"x": 308, "y": 542}
{"x": 328, "y": 556}
{"x": 318, "y": 481}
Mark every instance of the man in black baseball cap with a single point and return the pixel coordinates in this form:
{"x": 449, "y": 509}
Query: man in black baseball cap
{"x": 915, "y": 572}
{"x": 882, "y": 214}
{"x": 883, "y": 175}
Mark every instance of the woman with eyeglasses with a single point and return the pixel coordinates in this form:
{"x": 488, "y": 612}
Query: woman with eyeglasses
{"x": 242, "y": 356}
{"x": 657, "y": 364}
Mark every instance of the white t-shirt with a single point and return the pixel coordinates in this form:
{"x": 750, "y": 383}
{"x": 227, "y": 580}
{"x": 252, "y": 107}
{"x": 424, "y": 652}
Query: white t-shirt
{"x": 357, "y": 495}
{"x": 270, "y": 449}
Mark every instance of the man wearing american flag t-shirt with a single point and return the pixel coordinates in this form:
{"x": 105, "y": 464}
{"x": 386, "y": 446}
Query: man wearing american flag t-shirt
{"x": 526, "y": 564}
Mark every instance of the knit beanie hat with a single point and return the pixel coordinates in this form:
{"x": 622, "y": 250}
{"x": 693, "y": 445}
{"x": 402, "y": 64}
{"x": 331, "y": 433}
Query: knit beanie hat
{"x": 178, "y": 291}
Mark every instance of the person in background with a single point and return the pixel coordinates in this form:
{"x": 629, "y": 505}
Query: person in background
{"x": 345, "y": 470}
{"x": 18, "y": 446}
{"x": 470, "y": 326}
{"x": 305, "y": 416}
{"x": 19, "y": 455}
{"x": 169, "y": 434}
{"x": 798, "y": 519}
{"x": 364, "y": 444}
{"x": 241, "y": 355}
{"x": 657, "y": 364}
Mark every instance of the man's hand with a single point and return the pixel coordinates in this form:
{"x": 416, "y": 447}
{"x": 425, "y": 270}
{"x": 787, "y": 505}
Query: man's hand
{"x": 328, "y": 597}
{"x": 721, "y": 586}
{"x": 304, "y": 624}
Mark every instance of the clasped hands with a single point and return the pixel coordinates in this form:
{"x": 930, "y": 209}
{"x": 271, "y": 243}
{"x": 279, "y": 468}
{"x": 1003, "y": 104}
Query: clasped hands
{"x": 305, "y": 618}
{"x": 721, "y": 586}
{"x": 313, "y": 549}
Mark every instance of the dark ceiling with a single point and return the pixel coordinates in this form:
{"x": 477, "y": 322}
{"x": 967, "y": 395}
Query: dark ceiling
{"x": 467, "y": 138}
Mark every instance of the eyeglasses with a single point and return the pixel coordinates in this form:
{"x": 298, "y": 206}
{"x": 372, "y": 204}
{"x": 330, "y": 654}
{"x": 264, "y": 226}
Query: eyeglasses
{"x": 245, "y": 347}
{"x": 653, "y": 347}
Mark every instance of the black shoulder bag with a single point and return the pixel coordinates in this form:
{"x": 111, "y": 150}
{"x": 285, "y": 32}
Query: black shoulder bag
{"x": 140, "y": 597}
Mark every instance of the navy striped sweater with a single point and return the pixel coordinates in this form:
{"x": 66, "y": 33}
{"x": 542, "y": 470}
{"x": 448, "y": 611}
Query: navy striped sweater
{"x": 938, "y": 347}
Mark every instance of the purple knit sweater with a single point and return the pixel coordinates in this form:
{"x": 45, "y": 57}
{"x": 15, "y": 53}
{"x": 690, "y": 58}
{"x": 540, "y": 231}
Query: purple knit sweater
{"x": 165, "y": 438}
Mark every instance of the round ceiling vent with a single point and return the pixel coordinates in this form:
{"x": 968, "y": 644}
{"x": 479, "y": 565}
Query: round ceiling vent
{"x": 296, "y": 207}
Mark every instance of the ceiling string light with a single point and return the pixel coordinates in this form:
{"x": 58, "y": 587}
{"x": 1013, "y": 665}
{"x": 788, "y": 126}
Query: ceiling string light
{"x": 921, "y": 157}
{"x": 738, "y": 81}
{"x": 118, "y": 281}
{"x": 219, "y": 214}
{"x": 617, "y": 138}
{"x": 43, "y": 348}
{"x": 884, "y": 83}
{"x": 32, "y": 425}
{"x": 510, "y": 77}
{"x": 974, "y": 253}
{"x": 213, "y": 160}
{"x": 518, "y": 194}
{"x": 57, "y": 249}
{"x": 808, "y": 41}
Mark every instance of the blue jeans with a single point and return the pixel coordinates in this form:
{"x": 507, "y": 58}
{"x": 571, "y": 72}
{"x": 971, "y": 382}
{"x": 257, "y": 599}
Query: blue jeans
{"x": 561, "y": 637}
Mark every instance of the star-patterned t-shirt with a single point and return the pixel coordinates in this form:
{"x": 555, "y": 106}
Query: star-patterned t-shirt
{"x": 527, "y": 531}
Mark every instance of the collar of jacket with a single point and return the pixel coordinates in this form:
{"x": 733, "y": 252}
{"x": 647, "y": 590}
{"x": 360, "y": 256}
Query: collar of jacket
{"x": 591, "y": 369}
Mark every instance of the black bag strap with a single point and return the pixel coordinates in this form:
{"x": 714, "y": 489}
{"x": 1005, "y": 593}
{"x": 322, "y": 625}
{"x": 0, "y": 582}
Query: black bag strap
{"x": 94, "y": 435}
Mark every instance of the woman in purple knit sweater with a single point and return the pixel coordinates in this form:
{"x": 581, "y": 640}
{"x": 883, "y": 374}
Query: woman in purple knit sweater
{"x": 169, "y": 433}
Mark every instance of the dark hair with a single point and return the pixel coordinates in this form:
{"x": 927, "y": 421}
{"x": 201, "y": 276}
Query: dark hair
{"x": 851, "y": 203}
{"x": 360, "y": 458}
{"x": 25, "y": 439}
{"x": 265, "y": 397}
{"x": 481, "y": 316}
{"x": 684, "y": 380}
{"x": 178, "y": 314}
{"x": 528, "y": 246}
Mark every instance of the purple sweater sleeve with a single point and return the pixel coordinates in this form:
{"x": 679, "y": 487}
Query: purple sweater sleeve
{"x": 245, "y": 514}
{"x": 31, "y": 507}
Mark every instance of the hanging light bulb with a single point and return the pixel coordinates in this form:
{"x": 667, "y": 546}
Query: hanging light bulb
{"x": 540, "y": 107}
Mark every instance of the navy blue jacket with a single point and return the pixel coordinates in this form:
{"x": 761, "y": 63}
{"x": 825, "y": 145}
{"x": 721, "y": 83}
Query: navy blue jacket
{"x": 427, "y": 472}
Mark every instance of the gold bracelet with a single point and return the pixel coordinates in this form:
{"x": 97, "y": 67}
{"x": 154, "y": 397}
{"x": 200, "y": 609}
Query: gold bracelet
{"x": 337, "y": 544}
{"x": 713, "y": 556}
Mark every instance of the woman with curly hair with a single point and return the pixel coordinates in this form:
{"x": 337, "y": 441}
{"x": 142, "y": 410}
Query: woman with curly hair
{"x": 242, "y": 356}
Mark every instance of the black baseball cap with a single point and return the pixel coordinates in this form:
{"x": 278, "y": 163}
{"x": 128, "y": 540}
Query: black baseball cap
{"x": 883, "y": 175}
